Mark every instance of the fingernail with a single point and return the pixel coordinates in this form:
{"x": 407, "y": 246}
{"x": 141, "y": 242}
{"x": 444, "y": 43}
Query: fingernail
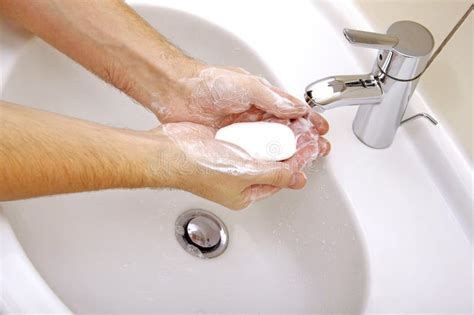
{"x": 326, "y": 148}
{"x": 302, "y": 105}
{"x": 284, "y": 102}
{"x": 322, "y": 127}
{"x": 297, "y": 179}
{"x": 319, "y": 124}
{"x": 298, "y": 104}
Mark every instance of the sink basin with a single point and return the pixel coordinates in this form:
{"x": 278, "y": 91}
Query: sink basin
{"x": 373, "y": 231}
{"x": 118, "y": 248}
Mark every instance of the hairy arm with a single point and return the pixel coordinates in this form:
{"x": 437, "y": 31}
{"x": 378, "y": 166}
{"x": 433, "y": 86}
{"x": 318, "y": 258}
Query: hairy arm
{"x": 42, "y": 153}
{"x": 108, "y": 38}
{"x": 113, "y": 41}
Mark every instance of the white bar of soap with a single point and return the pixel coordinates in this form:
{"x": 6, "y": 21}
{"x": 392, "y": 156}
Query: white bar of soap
{"x": 261, "y": 140}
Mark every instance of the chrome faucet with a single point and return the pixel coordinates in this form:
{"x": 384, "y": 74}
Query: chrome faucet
{"x": 383, "y": 94}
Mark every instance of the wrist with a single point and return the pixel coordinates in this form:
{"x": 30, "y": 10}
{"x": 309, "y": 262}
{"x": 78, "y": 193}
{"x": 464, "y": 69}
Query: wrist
{"x": 148, "y": 159}
{"x": 167, "y": 165}
{"x": 160, "y": 81}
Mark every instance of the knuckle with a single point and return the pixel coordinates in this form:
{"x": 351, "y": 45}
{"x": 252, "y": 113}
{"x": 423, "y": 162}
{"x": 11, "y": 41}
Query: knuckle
{"x": 280, "y": 174}
{"x": 276, "y": 178}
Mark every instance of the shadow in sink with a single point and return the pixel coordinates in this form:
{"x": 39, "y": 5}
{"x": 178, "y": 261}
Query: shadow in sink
{"x": 115, "y": 251}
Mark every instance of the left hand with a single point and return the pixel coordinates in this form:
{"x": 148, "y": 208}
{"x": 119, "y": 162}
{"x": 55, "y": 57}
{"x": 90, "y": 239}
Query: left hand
{"x": 220, "y": 171}
{"x": 216, "y": 97}
{"x": 307, "y": 130}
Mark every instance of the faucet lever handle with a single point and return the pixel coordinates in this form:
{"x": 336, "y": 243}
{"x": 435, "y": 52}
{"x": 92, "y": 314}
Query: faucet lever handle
{"x": 370, "y": 40}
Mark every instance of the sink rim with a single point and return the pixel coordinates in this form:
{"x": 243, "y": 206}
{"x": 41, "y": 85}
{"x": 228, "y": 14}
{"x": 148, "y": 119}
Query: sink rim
{"x": 459, "y": 165}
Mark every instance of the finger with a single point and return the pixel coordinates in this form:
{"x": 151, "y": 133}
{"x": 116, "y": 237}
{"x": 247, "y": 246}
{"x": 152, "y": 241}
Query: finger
{"x": 253, "y": 193}
{"x": 301, "y": 125}
{"x": 304, "y": 156}
{"x": 275, "y": 119}
{"x": 257, "y": 192}
{"x": 236, "y": 69}
{"x": 314, "y": 123}
{"x": 252, "y": 114}
{"x": 263, "y": 81}
{"x": 319, "y": 122}
{"x": 324, "y": 146}
{"x": 306, "y": 138}
{"x": 242, "y": 204}
{"x": 281, "y": 92}
{"x": 266, "y": 99}
{"x": 280, "y": 175}
{"x": 289, "y": 96}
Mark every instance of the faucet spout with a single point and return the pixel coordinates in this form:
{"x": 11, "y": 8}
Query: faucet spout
{"x": 344, "y": 90}
{"x": 402, "y": 57}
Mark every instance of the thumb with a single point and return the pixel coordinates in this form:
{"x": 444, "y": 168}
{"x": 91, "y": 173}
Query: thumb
{"x": 279, "y": 104}
{"x": 280, "y": 175}
{"x": 257, "y": 192}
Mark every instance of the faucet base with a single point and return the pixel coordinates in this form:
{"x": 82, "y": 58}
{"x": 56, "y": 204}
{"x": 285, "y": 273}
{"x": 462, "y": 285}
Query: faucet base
{"x": 362, "y": 140}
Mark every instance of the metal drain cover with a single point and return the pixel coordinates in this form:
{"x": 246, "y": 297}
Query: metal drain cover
{"x": 201, "y": 233}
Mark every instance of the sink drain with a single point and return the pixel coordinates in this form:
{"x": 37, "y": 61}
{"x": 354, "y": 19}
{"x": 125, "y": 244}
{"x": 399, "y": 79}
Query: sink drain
{"x": 201, "y": 233}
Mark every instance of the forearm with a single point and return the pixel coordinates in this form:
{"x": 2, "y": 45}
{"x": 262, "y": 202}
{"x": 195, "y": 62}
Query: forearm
{"x": 108, "y": 38}
{"x": 42, "y": 153}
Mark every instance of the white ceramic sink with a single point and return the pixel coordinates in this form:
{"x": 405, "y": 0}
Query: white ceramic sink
{"x": 373, "y": 231}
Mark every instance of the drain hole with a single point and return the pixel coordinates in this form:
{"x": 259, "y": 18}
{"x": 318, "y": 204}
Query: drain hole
{"x": 201, "y": 233}
{"x": 201, "y": 249}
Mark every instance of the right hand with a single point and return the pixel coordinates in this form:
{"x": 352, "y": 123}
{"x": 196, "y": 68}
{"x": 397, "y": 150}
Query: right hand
{"x": 224, "y": 173}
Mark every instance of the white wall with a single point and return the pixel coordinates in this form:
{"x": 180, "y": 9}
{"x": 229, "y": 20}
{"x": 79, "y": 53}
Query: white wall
{"x": 448, "y": 84}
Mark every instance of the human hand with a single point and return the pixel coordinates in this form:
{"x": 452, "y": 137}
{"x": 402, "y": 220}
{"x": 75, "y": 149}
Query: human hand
{"x": 216, "y": 97}
{"x": 224, "y": 173}
{"x": 307, "y": 130}
{"x": 150, "y": 69}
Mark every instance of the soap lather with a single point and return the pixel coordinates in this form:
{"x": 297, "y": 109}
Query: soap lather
{"x": 265, "y": 141}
